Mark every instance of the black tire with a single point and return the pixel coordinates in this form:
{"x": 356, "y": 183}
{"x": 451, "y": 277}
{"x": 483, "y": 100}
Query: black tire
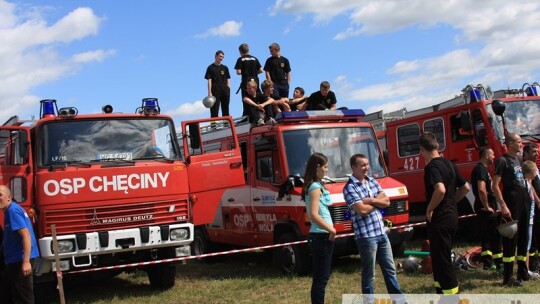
{"x": 293, "y": 259}
{"x": 201, "y": 245}
{"x": 161, "y": 276}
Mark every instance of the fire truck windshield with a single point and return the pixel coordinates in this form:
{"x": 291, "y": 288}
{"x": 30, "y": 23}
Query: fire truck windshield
{"x": 76, "y": 141}
{"x": 338, "y": 144}
{"x": 522, "y": 117}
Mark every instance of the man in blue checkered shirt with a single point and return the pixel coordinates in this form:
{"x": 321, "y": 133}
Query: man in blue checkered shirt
{"x": 366, "y": 198}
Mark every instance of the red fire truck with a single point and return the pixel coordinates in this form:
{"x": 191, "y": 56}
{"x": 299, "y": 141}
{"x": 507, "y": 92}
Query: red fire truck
{"x": 114, "y": 186}
{"x": 476, "y": 118}
{"x": 268, "y": 209}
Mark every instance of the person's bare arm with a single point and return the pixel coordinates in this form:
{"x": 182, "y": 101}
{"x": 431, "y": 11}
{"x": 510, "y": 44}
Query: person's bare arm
{"x": 27, "y": 248}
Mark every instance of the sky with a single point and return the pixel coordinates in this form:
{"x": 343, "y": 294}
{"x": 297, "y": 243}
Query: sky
{"x": 376, "y": 54}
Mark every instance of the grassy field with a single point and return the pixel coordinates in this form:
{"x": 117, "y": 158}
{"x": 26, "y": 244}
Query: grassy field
{"x": 251, "y": 278}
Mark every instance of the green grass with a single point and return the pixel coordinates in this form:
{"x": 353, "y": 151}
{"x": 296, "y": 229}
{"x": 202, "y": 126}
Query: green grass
{"x": 251, "y": 278}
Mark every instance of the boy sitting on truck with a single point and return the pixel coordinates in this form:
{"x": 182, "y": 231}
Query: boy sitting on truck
{"x": 260, "y": 106}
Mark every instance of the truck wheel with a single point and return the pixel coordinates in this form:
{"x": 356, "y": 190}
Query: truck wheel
{"x": 162, "y": 276}
{"x": 398, "y": 249}
{"x": 292, "y": 259}
{"x": 201, "y": 245}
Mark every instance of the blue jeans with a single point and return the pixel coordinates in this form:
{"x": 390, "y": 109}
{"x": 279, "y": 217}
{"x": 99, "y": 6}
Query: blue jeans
{"x": 378, "y": 249}
{"x": 321, "y": 252}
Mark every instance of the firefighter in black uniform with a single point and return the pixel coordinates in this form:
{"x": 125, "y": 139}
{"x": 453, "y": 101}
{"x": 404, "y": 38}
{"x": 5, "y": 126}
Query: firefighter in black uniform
{"x": 444, "y": 188}
{"x": 485, "y": 206}
{"x": 515, "y": 204}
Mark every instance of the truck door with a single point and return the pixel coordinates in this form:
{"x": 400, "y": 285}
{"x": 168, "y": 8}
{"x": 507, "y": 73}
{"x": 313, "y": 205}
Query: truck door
{"x": 16, "y": 163}
{"x": 212, "y": 166}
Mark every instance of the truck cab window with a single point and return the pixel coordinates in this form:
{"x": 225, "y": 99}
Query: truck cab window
{"x": 408, "y": 140}
{"x": 436, "y": 126}
{"x": 479, "y": 129}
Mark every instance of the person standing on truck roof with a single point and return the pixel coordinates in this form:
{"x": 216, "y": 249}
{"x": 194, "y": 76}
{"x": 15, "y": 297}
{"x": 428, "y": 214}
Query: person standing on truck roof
{"x": 259, "y": 106}
{"x": 515, "y": 204}
{"x": 530, "y": 152}
{"x": 278, "y": 70}
{"x": 445, "y": 187}
{"x": 324, "y": 99}
{"x": 219, "y": 85}
{"x": 249, "y": 68}
{"x": 322, "y": 232}
{"x": 485, "y": 206}
{"x": 365, "y": 198}
{"x": 20, "y": 248}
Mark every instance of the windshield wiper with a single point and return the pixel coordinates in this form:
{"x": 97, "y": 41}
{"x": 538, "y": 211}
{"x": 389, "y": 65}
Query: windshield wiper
{"x": 534, "y": 136}
{"x": 65, "y": 164}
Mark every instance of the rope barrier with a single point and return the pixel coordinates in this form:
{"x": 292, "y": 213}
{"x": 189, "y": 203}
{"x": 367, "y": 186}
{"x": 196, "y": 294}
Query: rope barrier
{"x": 206, "y": 255}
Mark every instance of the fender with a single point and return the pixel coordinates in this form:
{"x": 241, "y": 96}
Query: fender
{"x": 287, "y": 226}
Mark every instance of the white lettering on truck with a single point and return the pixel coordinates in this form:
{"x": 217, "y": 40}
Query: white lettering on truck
{"x": 121, "y": 182}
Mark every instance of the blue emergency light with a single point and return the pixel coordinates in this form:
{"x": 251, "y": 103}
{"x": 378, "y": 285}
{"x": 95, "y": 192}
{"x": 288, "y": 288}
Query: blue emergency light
{"x": 47, "y": 108}
{"x": 533, "y": 89}
{"x": 475, "y": 95}
{"x": 319, "y": 115}
{"x": 149, "y": 106}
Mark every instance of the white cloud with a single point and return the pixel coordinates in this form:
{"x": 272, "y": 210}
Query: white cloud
{"x": 189, "y": 109}
{"x": 227, "y": 29}
{"x": 28, "y": 54}
{"x": 496, "y": 43}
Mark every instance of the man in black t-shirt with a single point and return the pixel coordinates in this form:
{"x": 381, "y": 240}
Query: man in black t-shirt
{"x": 324, "y": 99}
{"x": 515, "y": 204}
{"x": 485, "y": 206}
{"x": 219, "y": 85}
{"x": 249, "y": 68}
{"x": 278, "y": 70}
{"x": 444, "y": 188}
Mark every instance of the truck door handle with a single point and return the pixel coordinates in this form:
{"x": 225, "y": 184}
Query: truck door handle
{"x": 230, "y": 200}
{"x": 256, "y": 199}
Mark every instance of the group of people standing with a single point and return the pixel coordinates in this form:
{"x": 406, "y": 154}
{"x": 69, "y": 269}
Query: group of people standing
{"x": 262, "y": 101}
{"x": 518, "y": 200}
{"x": 445, "y": 187}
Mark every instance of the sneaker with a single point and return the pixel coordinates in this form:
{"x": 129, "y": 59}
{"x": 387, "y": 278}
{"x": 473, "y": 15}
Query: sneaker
{"x": 260, "y": 122}
{"x": 513, "y": 283}
{"x": 534, "y": 275}
{"x": 271, "y": 121}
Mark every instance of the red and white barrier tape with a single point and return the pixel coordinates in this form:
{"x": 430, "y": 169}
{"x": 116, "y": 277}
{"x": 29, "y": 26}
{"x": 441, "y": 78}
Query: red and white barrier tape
{"x": 206, "y": 255}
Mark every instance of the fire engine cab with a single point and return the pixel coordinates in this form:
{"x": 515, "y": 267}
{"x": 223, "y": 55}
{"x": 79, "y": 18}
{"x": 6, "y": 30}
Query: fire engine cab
{"x": 114, "y": 186}
{"x": 476, "y": 118}
{"x": 268, "y": 209}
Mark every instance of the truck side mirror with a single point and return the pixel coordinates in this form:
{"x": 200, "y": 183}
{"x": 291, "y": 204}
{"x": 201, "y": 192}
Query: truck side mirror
{"x": 290, "y": 183}
{"x": 498, "y": 107}
{"x": 194, "y": 136}
{"x": 23, "y": 144}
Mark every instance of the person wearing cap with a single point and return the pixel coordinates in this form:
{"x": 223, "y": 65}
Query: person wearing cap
{"x": 324, "y": 99}
{"x": 20, "y": 249}
{"x": 445, "y": 187}
{"x": 278, "y": 70}
{"x": 515, "y": 204}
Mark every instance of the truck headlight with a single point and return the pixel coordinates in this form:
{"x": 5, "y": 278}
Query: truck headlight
{"x": 179, "y": 234}
{"x": 64, "y": 246}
